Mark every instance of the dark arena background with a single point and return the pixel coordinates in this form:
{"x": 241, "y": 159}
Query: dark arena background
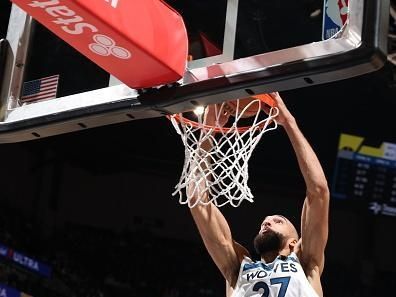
{"x": 91, "y": 213}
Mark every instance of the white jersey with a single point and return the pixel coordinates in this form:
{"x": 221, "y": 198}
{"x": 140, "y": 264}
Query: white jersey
{"x": 284, "y": 277}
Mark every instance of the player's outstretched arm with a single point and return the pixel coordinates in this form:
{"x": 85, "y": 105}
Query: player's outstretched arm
{"x": 314, "y": 220}
{"x": 213, "y": 227}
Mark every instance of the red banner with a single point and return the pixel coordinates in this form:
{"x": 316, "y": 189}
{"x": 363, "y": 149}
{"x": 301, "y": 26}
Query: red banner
{"x": 142, "y": 42}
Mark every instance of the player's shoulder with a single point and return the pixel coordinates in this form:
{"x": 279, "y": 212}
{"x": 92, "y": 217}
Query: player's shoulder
{"x": 247, "y": 260}
{"x": 240, "y": 251}
{"x": 293, "y": 257}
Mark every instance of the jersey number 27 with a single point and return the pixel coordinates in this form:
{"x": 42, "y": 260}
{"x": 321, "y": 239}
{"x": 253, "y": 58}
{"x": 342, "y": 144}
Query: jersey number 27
{"x": 283, "y": 281}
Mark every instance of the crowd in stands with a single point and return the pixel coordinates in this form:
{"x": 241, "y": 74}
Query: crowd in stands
{"x": 93, "y": 262}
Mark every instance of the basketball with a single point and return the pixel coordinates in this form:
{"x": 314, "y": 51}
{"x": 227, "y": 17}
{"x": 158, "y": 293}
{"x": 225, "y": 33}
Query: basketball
{"x": 246, "y": 106}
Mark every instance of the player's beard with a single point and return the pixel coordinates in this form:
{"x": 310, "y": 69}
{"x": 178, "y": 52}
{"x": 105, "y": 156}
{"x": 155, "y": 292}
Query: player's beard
{"x": 270, "y": 241}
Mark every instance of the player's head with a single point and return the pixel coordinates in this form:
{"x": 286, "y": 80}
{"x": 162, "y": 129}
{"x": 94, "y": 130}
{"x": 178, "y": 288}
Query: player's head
{"x": 276, "y": 233}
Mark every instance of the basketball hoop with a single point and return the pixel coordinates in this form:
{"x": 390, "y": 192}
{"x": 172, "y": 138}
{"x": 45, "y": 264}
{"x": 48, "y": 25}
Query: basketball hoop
{"x": 220, "y": 174}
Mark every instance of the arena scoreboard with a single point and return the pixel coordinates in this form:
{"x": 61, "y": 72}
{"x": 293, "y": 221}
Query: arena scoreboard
{"x": 366, "y": 173}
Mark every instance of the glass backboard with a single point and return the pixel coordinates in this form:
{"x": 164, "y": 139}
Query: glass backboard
{"x": 236, "y": 48}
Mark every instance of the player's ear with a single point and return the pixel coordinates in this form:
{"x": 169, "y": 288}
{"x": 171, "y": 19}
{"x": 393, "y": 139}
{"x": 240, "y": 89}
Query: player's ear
{"x": 293, "y": 243}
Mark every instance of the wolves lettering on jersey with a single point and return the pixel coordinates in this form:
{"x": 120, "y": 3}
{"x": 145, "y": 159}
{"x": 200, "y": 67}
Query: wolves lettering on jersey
{"x": 282, "y": 278}
{"x": 264, "y": 270}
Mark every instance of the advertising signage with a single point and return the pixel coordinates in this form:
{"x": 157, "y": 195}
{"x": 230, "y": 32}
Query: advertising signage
{"x": 25, "y": 261}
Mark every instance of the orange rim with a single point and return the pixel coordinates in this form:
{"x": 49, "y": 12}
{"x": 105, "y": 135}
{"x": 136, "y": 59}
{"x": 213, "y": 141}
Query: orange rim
{"x": 266, "y": 98}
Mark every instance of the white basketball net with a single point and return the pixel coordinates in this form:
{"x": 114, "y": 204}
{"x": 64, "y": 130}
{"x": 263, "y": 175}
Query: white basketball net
{"x": 219, "y": 173}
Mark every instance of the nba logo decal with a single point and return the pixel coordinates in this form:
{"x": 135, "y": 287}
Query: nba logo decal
{"x": 335, "y": 15}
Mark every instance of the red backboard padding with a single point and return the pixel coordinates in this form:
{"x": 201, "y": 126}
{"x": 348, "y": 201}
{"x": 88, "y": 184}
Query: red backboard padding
{"x": 141, "y": 42}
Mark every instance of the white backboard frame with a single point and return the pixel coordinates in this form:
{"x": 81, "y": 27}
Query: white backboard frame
{"x": 360, "y": 49}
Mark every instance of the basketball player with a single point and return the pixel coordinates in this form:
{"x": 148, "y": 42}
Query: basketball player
{"x": 290, "y": 266}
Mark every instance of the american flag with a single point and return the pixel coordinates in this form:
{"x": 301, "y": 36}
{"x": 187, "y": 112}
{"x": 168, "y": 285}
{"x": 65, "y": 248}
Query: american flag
{"x": 40, "y": 89}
